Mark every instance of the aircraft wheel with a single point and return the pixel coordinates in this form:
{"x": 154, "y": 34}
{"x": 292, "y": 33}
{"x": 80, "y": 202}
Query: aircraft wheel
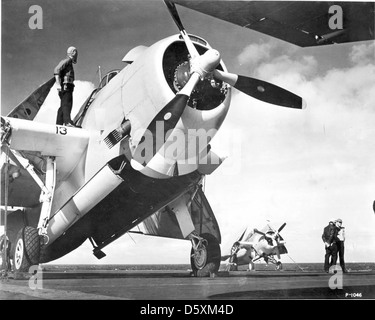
{"x": 279, "y": 266}
{"x": 206, "y": 260}
{"x": 26, "y": 250}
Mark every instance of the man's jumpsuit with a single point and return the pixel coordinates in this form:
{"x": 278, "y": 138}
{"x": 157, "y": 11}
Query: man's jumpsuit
{"x": 66, "y": 72}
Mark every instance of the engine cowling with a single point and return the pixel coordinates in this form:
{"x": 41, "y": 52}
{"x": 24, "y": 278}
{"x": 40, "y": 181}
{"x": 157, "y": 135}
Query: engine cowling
{"x": 156, "y": 76}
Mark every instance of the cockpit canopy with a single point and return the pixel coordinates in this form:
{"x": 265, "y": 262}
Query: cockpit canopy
{"x": 108, "y": 77}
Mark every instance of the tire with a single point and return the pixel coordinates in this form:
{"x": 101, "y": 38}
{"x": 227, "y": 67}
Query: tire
{"x": 26, "y": 250}
{"x": 207, "y": 259}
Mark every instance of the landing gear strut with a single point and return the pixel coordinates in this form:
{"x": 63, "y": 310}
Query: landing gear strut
{"x": 205, "y": 255}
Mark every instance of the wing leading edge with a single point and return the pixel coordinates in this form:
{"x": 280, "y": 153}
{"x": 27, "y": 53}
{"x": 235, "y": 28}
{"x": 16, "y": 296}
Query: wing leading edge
{"x": 303, "y": 23}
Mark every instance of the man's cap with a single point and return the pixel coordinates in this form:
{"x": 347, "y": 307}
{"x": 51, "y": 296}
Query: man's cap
{"x": 338, "y": 220}
{"x": 332, "y": 220}
{"x": 70, "y": 50}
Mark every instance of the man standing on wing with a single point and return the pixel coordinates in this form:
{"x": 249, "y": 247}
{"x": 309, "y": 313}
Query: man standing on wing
{"x": 64, "y": 75}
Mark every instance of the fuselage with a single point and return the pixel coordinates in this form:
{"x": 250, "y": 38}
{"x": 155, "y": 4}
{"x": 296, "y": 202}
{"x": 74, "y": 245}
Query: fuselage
{"x": 261, "y": 247}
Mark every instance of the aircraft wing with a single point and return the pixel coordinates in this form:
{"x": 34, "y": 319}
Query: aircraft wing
{"x": 27, "y": 143}
{"x": 163, "y": 223}
{"x": 246, "y": 245}
{"x": 29, "y": 108}
{"x": 253, "y": 237}
{"x": 33, "y": 141}
{"x": 303, "y": 23}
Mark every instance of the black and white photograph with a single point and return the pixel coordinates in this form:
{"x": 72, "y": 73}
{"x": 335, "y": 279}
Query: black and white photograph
{"x": 206, "y": 152}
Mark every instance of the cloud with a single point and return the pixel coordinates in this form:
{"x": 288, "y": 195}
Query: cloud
{"x": 363, "y": 53}
{"x": 286, "y": 66}
{"x": 255, "y": 53}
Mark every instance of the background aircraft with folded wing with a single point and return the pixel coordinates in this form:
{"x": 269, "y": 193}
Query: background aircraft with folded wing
{"x": 253, "y": 245}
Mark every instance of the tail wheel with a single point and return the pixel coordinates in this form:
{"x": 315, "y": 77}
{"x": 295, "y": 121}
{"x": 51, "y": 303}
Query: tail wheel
{"x": 27, "y": 249}
{"x": 206, "y": 259}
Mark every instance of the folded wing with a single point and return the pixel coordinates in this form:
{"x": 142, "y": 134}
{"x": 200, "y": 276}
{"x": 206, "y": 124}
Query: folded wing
{"x": 303, "y": 23}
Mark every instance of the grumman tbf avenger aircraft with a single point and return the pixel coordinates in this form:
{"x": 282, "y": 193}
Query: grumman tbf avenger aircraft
{"x": 138, "y": 158}
{"x": 254, "y": 245}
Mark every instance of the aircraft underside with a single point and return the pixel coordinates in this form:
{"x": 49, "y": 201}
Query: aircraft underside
{"x": 130, "y": 203}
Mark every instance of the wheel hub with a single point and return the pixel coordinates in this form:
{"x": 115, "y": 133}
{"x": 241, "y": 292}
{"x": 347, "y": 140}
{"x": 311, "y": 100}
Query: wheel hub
{"x": 18, "y": 255}
{"x": 200, "y": 257}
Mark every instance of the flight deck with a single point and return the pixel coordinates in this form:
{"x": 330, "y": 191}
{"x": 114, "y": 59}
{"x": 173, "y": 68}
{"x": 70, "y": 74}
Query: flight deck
{"x": 180, "y": 285}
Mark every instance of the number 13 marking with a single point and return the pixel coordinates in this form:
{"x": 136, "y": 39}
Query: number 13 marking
{"x": 61, "y": 130}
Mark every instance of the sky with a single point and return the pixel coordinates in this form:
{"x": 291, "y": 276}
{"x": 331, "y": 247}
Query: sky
{"x": 302, "y": 167}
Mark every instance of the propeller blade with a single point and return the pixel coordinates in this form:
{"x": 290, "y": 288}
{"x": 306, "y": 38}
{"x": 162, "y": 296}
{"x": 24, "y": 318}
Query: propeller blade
{"x": 276, "y": 235}
{"x": 262, "y": 90}
{"x": 282, "y": 227}
{"x": 242, "y": 235}
{"x": 189, "y": 44}
{"x": 260, "y": 232}
{"x": 268, "y": 92}
{"x": 173, "y": 11}
{"x": 168, "y": 116}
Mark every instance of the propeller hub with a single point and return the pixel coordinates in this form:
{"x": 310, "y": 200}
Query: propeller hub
{"x": 210, "y": 59}
{"x": 206, "y": 63}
